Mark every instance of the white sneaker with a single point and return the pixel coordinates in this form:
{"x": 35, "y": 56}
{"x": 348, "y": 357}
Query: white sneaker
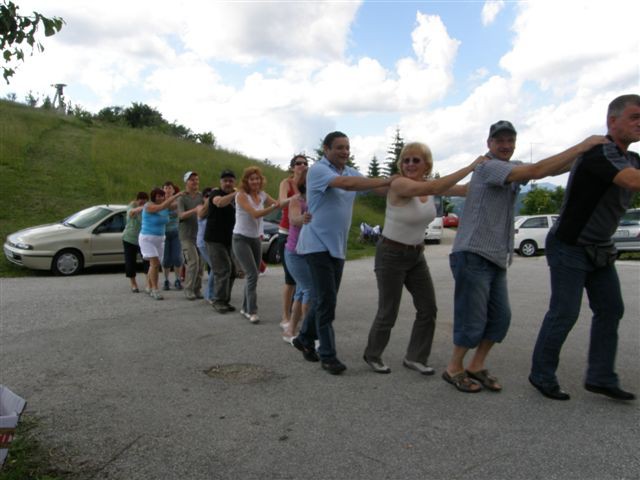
{"x": 253, "y": 318}
{"x": 418, "y": 367}
{"x": 156, "y": 295}
{"x": 244, "y": 314}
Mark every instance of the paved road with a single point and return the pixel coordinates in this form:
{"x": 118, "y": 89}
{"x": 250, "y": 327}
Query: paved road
{"x": 131, "y": 388}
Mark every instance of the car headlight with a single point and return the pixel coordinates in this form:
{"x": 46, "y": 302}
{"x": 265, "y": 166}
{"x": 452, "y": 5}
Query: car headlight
{"x": 23, "y": 246}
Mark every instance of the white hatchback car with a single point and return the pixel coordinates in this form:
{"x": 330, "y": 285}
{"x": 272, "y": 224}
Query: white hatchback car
{"x": 531, "y": 232}
{"x": 92, "y": 236}
{"x": 433, "y": 233}
{"x": 627, "y": 236}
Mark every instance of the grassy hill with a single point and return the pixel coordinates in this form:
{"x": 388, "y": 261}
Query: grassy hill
{"x": 53, "y": 165}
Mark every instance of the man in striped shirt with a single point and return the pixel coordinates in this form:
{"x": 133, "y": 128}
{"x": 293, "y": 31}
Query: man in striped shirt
{"x": 483, "y": 248}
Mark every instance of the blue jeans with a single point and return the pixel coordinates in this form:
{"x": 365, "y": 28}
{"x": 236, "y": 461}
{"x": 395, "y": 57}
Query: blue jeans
{"x": 326, "y": 274}
{"x": 301, "y": 274}
{"x": 172, "y": 256}
{"x": 571, "y": 272}
{"x": 208, "y": 293}
{"x": 481, "y": 308}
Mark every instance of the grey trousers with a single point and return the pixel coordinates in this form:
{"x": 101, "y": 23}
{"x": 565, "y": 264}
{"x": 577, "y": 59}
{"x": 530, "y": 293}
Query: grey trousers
{"x": 223, "y": 268}
{"x": 397, "y": 268}
{"x": 247, "y": 251}
{"x": 194, "y": 266}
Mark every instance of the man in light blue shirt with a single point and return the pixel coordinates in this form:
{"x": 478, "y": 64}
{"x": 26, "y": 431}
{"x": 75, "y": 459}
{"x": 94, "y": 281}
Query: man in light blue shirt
{"x": 331, "y": 187}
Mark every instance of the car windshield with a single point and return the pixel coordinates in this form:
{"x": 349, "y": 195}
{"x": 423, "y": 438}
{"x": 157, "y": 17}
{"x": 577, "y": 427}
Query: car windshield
{"x": 86, "y": 217}
{"x": 630, "y": 218}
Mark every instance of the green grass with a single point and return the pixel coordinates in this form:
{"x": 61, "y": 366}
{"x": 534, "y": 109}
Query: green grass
{"x": 52, "y": 166}
{"x": 28, "y": 459}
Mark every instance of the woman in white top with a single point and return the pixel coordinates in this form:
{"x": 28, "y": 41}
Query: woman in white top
{"x": 400, "y": 260}
{"x": 252, "y": 203}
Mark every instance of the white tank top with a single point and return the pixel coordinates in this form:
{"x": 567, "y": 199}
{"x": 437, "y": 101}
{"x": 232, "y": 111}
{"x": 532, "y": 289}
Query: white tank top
{"x": 245, "y": 224}
{"x": 406, "y": 224}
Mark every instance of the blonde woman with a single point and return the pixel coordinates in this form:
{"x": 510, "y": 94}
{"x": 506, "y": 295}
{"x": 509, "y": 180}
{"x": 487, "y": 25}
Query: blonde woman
{"x": 252, "y": 203}
{"x": 400, "y": 259}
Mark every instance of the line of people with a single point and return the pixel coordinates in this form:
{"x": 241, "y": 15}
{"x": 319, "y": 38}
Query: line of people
{"x": 317, "y": 207}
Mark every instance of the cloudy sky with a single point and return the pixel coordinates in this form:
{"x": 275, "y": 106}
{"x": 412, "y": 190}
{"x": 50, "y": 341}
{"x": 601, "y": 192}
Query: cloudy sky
{"x": 270, "y": 79}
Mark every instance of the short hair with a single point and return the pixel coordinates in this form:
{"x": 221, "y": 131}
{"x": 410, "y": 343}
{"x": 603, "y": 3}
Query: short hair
{"x": 142, "y": 196}
{"x": 155, "y": 192}
{"x": 244, "y": 183}
{"x": 328, "y": 140}
{"x": 619, "y": 104}
{"x": 206, "y": 192}
{"x": 420, "y": 149}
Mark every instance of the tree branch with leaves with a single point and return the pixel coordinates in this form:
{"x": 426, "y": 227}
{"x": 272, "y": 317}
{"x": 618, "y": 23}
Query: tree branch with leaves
{"x": 18, "y": 29}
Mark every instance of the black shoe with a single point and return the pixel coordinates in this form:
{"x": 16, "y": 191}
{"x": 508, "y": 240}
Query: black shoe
{"x": 309, "y": 353}
{"x": 377, "y": 365}
{"x": 333, "y": 366}
{"x": 613, "y": 392}
{"x": 553, "y": 392}
{"x": 230, "y": 307}
{"x": 220, "y": 307}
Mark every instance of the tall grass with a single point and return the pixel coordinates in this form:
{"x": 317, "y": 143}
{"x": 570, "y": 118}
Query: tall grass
{"x": 53, "y": 165}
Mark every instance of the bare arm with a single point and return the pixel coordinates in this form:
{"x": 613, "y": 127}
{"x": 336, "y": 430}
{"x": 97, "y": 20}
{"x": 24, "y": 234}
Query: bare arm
{"x": 359, "y": 184}
{"x": 457, "y": 191}
{"x": 203, "y": 210}
{"x": 156, "y": 207}
{"x": 296, "y": 217}
{"x": 135, "y": 211}
{"x": 405, "y": 187}
{"x": 187, "y": 213}
{"x": 556, "y": 164}
{"x": 243, "y": 200}
{"x": 284, "y": 190}
{"x": 224, "y": 200}
{"x": 628, "y": 178}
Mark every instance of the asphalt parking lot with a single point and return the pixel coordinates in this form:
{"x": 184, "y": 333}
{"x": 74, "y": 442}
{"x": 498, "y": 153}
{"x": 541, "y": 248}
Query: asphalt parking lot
{"x": 126, "y": 387}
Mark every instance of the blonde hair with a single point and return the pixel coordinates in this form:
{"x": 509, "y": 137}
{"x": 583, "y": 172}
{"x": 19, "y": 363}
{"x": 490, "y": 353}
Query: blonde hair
{"x": 419, "y": 149}
{"x": 244, "y": 182}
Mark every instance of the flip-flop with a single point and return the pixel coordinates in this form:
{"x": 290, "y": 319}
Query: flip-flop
{"x": 486, "y": 380}
{"x": 461, "y": 381}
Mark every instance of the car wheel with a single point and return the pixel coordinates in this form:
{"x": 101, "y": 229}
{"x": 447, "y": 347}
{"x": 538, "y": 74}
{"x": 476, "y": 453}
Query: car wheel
{"x": 273, "y": 255}
{"x": 528, "y": 248}
{"x": 67, "y": 262}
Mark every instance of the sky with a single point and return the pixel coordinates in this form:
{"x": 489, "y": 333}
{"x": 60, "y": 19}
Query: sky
{"x": 272, "y": 78}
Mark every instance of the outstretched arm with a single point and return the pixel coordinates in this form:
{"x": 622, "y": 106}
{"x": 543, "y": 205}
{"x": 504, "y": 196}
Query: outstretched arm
{"x": 556, "y": 164}
{"x": 359, "y": 184}
{"x": 628, "y": 178}
{"x": 405, "y": 187}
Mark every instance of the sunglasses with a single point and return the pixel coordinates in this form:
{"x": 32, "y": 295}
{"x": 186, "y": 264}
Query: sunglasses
{"x": 414, "y": 160}
{"x": 298, "y": 163}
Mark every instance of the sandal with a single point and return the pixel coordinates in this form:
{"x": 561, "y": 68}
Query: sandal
{"x": 487, "y": 381}
{"x": 461, "y": 381}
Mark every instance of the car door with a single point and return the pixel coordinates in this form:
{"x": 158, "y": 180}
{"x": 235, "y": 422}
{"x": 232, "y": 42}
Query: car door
{"x": 536, "y": 229}
{"x": 106, "y": 240}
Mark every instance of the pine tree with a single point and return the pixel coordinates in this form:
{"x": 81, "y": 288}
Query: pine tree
{"x": 374, "y": 168}
{"x": 391, "y": 167}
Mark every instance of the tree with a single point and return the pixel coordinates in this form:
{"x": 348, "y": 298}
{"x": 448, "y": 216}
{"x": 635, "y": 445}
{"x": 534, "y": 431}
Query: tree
{"x": 391, "y": 167}
{"x": 207, "y": 138}
{"x": 541, "y": 200}
{"x": 635, "y": 201}
{"x": 112, "y": 114}
{"x": 16, "y": 29}
{"x": 140, "y": 115}
{"x": 374, "y": 168}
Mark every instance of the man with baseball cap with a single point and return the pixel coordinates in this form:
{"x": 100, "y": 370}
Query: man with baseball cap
{"x": 188, "y": 230}
{"x": 220, "y": 211}
{"x": 483, "y": 248}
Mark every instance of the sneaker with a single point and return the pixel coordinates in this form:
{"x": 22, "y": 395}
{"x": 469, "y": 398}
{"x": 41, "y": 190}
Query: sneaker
{"x": 190, "y": 295}
{"x": 166, "y": 287}
{"x": 333, "y": 366}
{"x": 156, "y": 295}
{"x": 220, "y": 307}
{"x": 253, "y": 318}
{"x": 418, "y": 367}
{"x": 147, "y": 290}
{"x": 178, "y": 284}
{"x": 377, "y": 365}
{"x": 309, "y": 354}
{"x": 244, "y": 314}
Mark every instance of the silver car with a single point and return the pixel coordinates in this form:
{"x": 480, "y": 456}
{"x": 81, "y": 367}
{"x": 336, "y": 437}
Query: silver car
{"x": 627, "y": 236}
{"x": 92, "y": 236}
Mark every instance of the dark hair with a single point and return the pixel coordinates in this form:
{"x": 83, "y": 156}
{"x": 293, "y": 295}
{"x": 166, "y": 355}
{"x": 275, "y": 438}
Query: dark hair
{"x": 206, "y": 192}
{"x": 142, "y": 196}
{"x": 302, "y": 189}
{"x": 155, "y": 192}
{"x": 619, "y": 104}
{"x": 292, "y": 162}
{"x": 328, "y": 140}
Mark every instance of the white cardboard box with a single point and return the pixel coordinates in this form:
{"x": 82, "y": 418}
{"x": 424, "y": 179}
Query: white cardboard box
{"x": 11, "y": 407}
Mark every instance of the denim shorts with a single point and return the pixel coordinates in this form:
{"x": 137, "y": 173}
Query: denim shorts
{"x": 481, "y": 300}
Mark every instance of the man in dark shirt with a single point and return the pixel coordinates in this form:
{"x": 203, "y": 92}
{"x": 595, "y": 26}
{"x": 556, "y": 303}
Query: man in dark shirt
{"x": 581, "y": 255}
{"x": 220, "y": 212}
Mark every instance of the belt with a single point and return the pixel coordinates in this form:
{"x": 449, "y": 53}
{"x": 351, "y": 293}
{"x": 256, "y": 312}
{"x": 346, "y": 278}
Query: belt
{"x": 404, "y": 246}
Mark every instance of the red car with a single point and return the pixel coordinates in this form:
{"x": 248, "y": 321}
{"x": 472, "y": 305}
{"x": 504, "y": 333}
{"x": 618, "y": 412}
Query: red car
{"x": 450, "y": 220}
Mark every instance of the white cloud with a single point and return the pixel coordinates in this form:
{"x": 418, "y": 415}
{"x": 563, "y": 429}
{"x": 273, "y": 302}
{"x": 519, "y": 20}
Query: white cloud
{"x": 490, "y": 11}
